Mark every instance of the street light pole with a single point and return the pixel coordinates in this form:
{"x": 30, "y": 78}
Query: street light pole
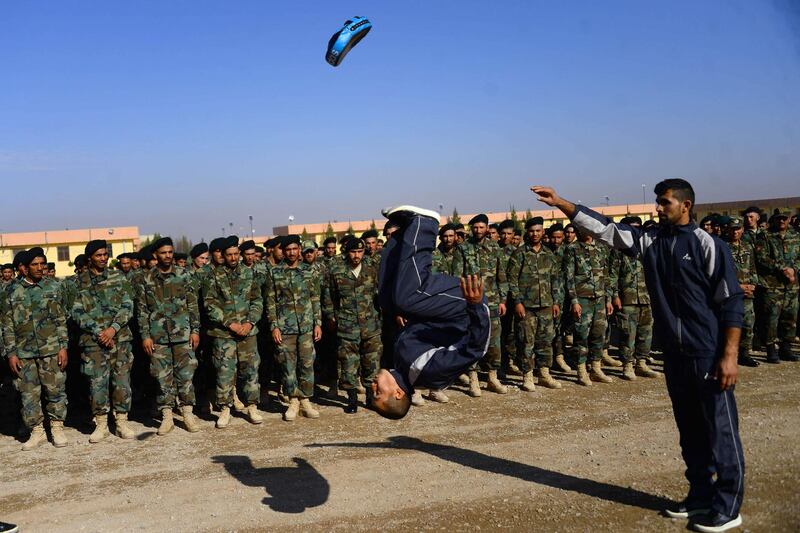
{"x": 252, "y": 234}
{"x": 644, "y": 201}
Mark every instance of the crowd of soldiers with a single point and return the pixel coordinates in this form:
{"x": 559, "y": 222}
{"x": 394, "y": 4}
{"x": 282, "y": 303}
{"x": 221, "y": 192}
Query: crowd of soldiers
{"x": 210, "y": 328}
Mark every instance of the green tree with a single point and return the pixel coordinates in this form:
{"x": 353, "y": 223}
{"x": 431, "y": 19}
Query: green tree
{"x": 454, "y": 218}
{"x": 329, "y": 231}
{"x": 350, "y": 230}
{"x": 183, "y": 245}
{"x": 528, "y": 215}
{"x": 151, "y": 240}
{"x": 515, "y": 219}
{"x": 304, "y": 235}
{"x": 372, "y": 225}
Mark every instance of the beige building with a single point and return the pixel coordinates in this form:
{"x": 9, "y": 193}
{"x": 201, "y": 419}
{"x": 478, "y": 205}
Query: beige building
{"x": 61, "y": 247}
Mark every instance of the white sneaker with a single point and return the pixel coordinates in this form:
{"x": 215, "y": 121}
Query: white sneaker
{"x": 389, "y": 211}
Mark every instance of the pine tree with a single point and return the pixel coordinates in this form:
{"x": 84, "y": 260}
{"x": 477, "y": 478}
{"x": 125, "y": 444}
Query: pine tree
{"x": 514, "y": 218}
{"x": 454, "y": 218}
{"x": 329, "y": 231}
{"x": 183, "y": 245}
{"x": 350, "y": 230}
{"x": 304, "y": 235}
{"x": 528, "y": 215}
{"x": 372, "y": 225}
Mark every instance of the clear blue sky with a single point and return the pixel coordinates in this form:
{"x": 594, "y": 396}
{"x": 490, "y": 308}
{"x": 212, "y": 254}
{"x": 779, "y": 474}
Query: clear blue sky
{"x": 182, "y": 116}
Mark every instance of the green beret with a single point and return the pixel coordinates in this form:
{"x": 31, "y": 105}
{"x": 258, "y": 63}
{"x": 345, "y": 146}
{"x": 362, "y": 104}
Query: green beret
{"x": 93, "y": 246}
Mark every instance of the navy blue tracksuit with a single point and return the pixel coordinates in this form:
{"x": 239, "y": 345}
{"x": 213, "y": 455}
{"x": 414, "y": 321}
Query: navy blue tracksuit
{"x": 695, "y": 296}
{"x": 444, "y": 335}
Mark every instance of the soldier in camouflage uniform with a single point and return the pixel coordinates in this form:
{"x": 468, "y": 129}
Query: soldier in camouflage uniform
{"x": 557, "y": 245}
{"x": 35, "y": 340}
{"x": 169, "y": 325}
{"x": 443, "y": 253}
{"x": 293, "y": 308}
{"x": 634, "y": 316}
{"x": 371, "y": 255}
{"x": 777, "y": 262}
{"x": 536, "y": 290}
{"x": 744, "y": 258}
{"x": 586, "y": 264}
{"x": 102, "y": 310}
{"x": 233, "y": 305}
{"x": 7, "y": 274}
{"x": 508, "y": 322}
{"x": 482, "y": 256}
{"x": 349, "y": 304}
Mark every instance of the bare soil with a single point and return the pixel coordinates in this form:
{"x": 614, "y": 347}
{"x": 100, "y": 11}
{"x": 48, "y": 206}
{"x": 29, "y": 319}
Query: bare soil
{"x": 604, "y": 458}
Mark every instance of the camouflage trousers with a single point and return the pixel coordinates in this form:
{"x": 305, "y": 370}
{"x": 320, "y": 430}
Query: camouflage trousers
{"x": 37, "y": 374}
{"x": 363, "y": 354}
{"x": 108, "y": 369}
{"x": 508, "y": 324}
{"x": 534, "y": 338}
{"x": 295, "y": 359}
{"x": 493, "y": 357}
{"x": 590, "y": 330}
{"x": 748, "y": 325}
{"x": 635, "y": 332}
{"x": 781, "y": 309}
{"x": 236, "y": 362}
{"x": 173, "y": 366}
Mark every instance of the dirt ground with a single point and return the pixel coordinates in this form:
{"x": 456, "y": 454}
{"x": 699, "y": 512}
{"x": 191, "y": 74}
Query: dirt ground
{"x": 604, "y": 458}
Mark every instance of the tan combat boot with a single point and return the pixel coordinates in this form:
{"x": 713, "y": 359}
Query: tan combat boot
{"x": 189, "y": 420}
{"x": 642, "y": 370}
{"x": 291, "y": 411}
{"x": 438, "y": 396}
{"x": 100, "y": 429}
{"x": 360, "y": 388}
{"x": 417, "y": 399}
{"x": 307, "y": 409}
{"x": 513, "y": 369}
{"x": 610, "y": 361}
{"x": 546, "y": 380}
{"x": 627, "y": 372}
{"x": 596, "y": 373}
{"x": 464, "y": 380}
{"x": 57, "y": 432}
{"x": 493, "y": 384}
{"x": 167, "y": 423}
{"x": 527, "y": 382}
{"x": 253, "y": 415}
{"x": 37, "y": 437}
{"x": 561, "y": 364}
{"x": 224, "y": 417}
{"x": 237, "y": 403}
{"x": 474, "y": 384}
{"x": 583, "y": 376}
{"x": 124, "y": 431}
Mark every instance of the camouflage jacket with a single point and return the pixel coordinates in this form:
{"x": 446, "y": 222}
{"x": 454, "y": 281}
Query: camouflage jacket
{"x": 586, "y": 268}
{"x": 534, "y": 278}
{"x": 774, "y": 252}
{"x": 231, "y": 295}
{"x": 352, "y": 301}
{"x": 292, "y": 300}
{"x": 744, "y": 257}
{"x": 33, "y": 319}
{"x": 443, "y": 261}
{"x": 626, "y": 279}
{"x": 103, "y": 300}
{"x": 487, "y": 260}
{"x": 373, "y": 260}
{"x": 166, "y": 306}
{"x": 751, "y": 236}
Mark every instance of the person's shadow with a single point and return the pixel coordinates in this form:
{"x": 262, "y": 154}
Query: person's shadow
{"x": 291, "y": 489}
{"x": 525, "y": 472}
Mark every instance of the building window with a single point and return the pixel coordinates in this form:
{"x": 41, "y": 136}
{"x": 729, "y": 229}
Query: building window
{"x": 63, "y": 253}
{"x": 110, "y": 250}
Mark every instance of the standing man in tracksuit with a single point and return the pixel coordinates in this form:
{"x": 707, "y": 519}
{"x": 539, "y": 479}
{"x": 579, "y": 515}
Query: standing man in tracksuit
{"x": 697, "y": 311}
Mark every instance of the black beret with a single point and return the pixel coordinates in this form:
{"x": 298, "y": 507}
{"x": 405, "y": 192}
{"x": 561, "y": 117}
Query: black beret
{"x": 146, "y": 253}
{"x": 479, "y": 218}
{"x": 354, "y": 244}
{"x": 51, "y": 266}
{"x": 7, "y": 266}
{"x": 93, "y": 246}
{"x": 535, "y": 221}
{"x": 217, "y": 244}
{"x": 328, "y": 241}
{"x": 289, "y": 240}
{"x": 232, "y": 241}
{"x": 346, "y": 238}
{"x": 556, "y": 227}
{"x": 507, "y": 223}
{"x": 708, "y": 219}
{"x": 198, "y": 250}
{"x": 126, "y": 255}
{"x": 495, "y": 226}
{"x": 260, "y": 250}
{"x": 180, "y": 255}
{"x": 247, "y": 245}
{"x": 751, "y": 209}
{"x": 518, "y": 232}
{"x": 32, "y": 254}
{"x": 80, "y": 260}
{"x": 460, "y": 228}
{"x": 20, "y": 259}
{"x": 370, "y": 234}
{"x": 273, "y": 242}
{"x": 160, "y": 243}
{"x": 631, "y": 220}
{"x": 447, "y": 227}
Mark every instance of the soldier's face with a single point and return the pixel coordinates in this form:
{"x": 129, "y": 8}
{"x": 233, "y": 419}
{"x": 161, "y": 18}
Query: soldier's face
{"x": 479, "y": 230}
{"x": 200, "y": 260}
{"x": 99, "y": 259}
{"x": 259, "y": 256}
{"x": 449, "y": 239}
{"x": 493, "y": 234}
{"x": 506, "y": 236}
{"x": 535, "y": 234}
{"x": 36, "y": 269}
{"x": 372, "y": 244}
{"x": 517, "y": 240}
{"x": 460, "y": 237}
{"x": 330, "y": 249}
{"x": 151, "y": 263}
{"x": 277, "y": 253}
{"x": 181, "y": 262}
{"x": 734, "y": 234}
{"x": 673, "y": 211}
{"x": 751, "y": 219}
{"x": 557, "y": 238}
{"x": 782, "y": 223}
{"x": 379, "y": 245}
{"x": 309, "y": 256}
{"x": 249, "y": 257}
{"x": 8, "y": 273}
{"x": 570, "y": 235}
{"x": 217, "y": 257}
{"x": 232, "y": 256}
{"x": 354, "y": 257}
{"x": 164, "y": 257}
{"x": 125, "y": 265}
{"x": 292, "y": 253}
{"x": 136, "y": 264}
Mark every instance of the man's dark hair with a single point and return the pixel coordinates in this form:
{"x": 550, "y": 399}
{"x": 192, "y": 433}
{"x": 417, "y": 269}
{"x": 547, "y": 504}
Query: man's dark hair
{"x": 681, "y": 189}
{"x": 394, "y": 408}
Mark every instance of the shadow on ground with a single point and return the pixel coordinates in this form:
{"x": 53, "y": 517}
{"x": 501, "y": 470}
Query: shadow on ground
{"x": 291, "y": 489}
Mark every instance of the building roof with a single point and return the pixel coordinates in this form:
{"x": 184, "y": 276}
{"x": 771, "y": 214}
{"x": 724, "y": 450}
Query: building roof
{"x": 24, "y": 239}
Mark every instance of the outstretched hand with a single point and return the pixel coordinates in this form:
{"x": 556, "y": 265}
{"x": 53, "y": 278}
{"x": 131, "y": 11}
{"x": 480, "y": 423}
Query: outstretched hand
{"x": 549, "y": 196}
{"x": 472, "y": 287}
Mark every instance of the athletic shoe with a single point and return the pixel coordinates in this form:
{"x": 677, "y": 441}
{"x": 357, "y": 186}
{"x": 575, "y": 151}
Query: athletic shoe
{"x": 716, "y": 522}
{"x": 8, "y": 528}
{"x": 409, "y": 210}
{"x": 687, "y": 510}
